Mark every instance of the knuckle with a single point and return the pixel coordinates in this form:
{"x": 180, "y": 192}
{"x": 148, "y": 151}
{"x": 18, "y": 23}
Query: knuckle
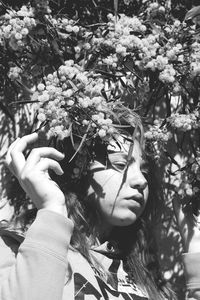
{"x": 51, "y": 151}
{"x": 45, "y": 161}
{"x": 7, "y": 160}
{"x": 34, "y": 151}
{"x": 11, "y": 152}
{"x": 25, "y": 176}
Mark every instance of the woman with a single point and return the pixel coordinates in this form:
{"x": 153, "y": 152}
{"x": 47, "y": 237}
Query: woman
{"x": 91, "y": 242}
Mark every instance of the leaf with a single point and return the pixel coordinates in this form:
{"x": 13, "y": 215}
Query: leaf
{"x": 74, "y": 87}
{"x": 71, "y": 135}
{"x": 6, "y": 111}
{"x": 168, "y": 103}
{"x": 56, "y": 50}
{"x": 116, "y": 7}
{"x": 171, "y": 158}
{"x": 16, "y": 103}
{"x": 130, "y": 67}
{"x": 104, "y": 94}
{"x": 92, "y": 60}
{"x": 82, "y": 142}
{"x": 171, "y": 173}
{"x": 105, "y": 33}
{"x": 43, "y": 124}
{"x": 131, "y": 146}
{"x": 123, "y": 83}
{"x": 192, "y": 13}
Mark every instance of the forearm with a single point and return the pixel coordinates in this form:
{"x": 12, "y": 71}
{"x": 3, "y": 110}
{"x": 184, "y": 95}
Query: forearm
{"x": 41, "y": 264}
{"x": 192, "y": 274}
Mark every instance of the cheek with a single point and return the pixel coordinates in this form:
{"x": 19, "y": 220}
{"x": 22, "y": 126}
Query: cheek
{"x": 107, "y": 180}
{"x": 104, "y": 178}
{"x": 106, "y": 186}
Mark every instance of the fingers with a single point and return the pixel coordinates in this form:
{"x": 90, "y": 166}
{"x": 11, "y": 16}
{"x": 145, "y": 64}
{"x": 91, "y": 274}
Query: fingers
{"x": 43, "y": 152}
{"x": 17, "y": 162}
{"x": 15, "y": 158}
{"x": 46, "y": 163}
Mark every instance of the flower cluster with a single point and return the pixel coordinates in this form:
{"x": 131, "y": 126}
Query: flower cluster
{"x": 153, "y": 7}
{"x": 129, "y": 37}
{"x": 157, "y": 136}
{"x": 16, "y": 26}
{"x": 70, "y": 100}
{"x": 42, "y": 6}
{"x": 65, "y": 25}
{"x": 159, "y": 49}
{"x": 158, "y": 133}
{"x": 120, "y": 40}
{"x": 185, "y": 188}
{"x": 184, "y": 122}
{"x": 14, "y": 73}
{"x": 190, "y": 179}
{"x": 195, "y": 59}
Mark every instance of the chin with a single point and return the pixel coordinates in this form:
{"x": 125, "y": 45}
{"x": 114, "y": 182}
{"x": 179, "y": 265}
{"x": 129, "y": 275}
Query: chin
{"x": 125, "y": 221}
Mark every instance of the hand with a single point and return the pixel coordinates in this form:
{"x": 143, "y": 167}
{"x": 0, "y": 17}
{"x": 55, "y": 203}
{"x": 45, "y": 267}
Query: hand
{"x": 189, "y": 231}
{"x": 32, "y": 173}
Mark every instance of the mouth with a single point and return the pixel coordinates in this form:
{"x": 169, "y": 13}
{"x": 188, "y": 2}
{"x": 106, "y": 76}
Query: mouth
{"x": 137, "y": 198}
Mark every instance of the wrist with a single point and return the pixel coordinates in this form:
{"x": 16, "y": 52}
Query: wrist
{"x": 62, "y": 210}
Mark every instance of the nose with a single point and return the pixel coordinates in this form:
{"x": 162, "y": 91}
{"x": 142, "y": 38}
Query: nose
{"x": 136, "y": 178}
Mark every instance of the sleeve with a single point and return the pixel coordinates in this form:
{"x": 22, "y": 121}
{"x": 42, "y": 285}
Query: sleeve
{"x": 191, "y": 263}
{"x": 40, "y": 268}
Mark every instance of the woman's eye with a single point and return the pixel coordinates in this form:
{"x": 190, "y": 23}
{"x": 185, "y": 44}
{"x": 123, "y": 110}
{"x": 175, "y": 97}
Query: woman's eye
{"x": 117, "y": 161}
{"x": 119, "y": 165}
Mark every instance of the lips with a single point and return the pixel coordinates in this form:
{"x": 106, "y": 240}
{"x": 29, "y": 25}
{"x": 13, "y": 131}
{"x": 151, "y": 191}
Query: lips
{"x": 138, "y": 198}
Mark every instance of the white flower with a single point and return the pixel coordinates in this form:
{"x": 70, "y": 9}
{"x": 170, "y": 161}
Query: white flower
{"x": 24, "y": 31}
{"x": 77, "y": 49}
{"x": 161, "y": 9}
{"x": 70, "y": 102}
{"x": 68, "y": 93}
{"x": 44, "y": 97}
{"x": 51, "y": 89}
{"x": 18, "y": 36}
{"x": 41, "y": 87}
{"x": 41, "y": 117}
{"x": 102, "y": 133}
{"x": 75, "y": 29}
{"x": 69, "y": 28}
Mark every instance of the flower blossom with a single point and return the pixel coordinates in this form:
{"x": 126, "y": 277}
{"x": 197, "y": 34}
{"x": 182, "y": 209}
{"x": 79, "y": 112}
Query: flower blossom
{"x": 16, "y": 26}
{"x": 71, "y": 99}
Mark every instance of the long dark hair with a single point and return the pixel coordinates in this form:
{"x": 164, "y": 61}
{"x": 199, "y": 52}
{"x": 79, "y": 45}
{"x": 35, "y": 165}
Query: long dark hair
{"x": 137, "y": 242}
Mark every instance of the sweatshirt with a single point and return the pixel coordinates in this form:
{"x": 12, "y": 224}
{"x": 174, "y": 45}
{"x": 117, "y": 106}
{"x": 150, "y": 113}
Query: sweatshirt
{"x": 43, "y": 266}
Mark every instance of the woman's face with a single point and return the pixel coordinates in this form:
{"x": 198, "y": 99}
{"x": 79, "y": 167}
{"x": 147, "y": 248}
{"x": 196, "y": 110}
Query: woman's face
{"x": 120, "y": 202}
